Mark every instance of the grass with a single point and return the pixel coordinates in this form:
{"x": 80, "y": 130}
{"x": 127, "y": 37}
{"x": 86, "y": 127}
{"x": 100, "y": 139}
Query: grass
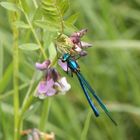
{"x": 112, "y": 67}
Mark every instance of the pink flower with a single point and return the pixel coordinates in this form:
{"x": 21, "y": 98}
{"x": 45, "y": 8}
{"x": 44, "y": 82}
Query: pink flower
{"x": 78, "y": 44}
{"x": 43, "y": 66}
{"x": 63, "y": 65}
{"x": 52, "y": 82}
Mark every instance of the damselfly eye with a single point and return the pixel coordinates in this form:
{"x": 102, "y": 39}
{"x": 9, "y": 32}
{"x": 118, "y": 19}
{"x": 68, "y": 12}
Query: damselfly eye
{"x": 63, "y": 60}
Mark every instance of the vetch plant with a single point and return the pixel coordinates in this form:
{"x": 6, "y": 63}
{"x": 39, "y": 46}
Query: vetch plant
{"x": 35, "y": 134}
{"x": 35, "y": 31}
{"x": 44, "y": 23}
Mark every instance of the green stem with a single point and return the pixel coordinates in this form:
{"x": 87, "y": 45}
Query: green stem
{"x": 86, "y": 126}
{"x": 26, "y": 106}
{"x": 33, "y": 31}
{"x": 1, "y": 60}
{"x": 11, "y": 92}
{"x": 60, "y": 17}
{"x": 35, "y": 36}
{"x": 28, "y": 99}
{"x": 15, "y": 76}
{"x": 44, "y": 114}
{"x": 35, "y": 4}
{"x": 29, "y": 89}
{"x": 3, "y": 123}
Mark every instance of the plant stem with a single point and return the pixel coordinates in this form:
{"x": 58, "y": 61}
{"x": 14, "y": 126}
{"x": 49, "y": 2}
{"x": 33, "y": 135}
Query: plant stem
{"x": 3, "y": 123}
{"x": 11, "y": 92}
{"x": 24, "y": 108}
{"x": 35, "y": 36}
{"x": 35, "y": 4}
{"x": 28, "y": 99}
{"x": 1, "y": 60}
{"x": 86, "y": 126}
{"x": 33, "y": 31}
{"x": 29, "y": 89}
{"x": 27, "y": 104}
{"x": 60, "y": 17}
{"x": 44, "y": 114}
{"x": 15, "y": 76}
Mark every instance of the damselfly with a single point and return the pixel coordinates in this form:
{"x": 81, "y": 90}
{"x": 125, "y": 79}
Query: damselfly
{"x": 73, "y": 66}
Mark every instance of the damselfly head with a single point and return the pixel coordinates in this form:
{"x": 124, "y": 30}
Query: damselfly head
{"x": 65, "y": 57}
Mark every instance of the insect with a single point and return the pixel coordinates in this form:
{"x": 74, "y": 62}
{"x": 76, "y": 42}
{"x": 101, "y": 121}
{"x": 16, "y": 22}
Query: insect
{"x": 73, "y": 66}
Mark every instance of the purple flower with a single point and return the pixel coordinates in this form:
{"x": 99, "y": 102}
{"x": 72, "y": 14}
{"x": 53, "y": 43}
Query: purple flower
{"x": 63, "y": 65}
{"x": 78, "y": 44}
{"x": 43, "y": 66}
{"x": 52, "y": 82}
{"x": 36, "y": 134}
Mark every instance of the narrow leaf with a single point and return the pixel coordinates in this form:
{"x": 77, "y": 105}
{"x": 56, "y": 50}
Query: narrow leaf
{"x": 10, "y": 6}
{"x": 52, "y": 27}
{"x": 32, "y": 109}
{"x": 52, "y": 51}
{"x": 6, "y": 77}
{"x": 1, "y": 60}
{"x": 64, "y": 6}
{"x": 21, "y": 24}
{"x": 72, "y": 19}
{"x": 29, "y": 46}
{"x": 70, "y": 27}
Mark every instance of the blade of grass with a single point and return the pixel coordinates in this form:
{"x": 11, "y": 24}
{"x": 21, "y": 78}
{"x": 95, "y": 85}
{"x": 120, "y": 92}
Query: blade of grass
{"x": 86, "y": 126}
{"x": 1, "y": 59}
{"x": 121, "y": 44}
{"x": 11, "y": 92}
{"x": 14, "y": 18}
{"x": 44, "y": 114}
{"x": 6, "y": 77}
{"x": 3, "y": 123}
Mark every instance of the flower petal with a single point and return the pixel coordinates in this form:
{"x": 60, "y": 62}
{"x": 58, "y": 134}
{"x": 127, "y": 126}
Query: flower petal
{"x": 75, "y": 39}
{"x": 65, "y": 86}
{"x": 42, "y": 87}
{"x": 80, "y": 33}
{"x": 63, "y": 65}
{"x": 45, "y": 88}
{"x": 85, "y": 44}
{"x": 50, "y": 92}
{"x": 54, "y": 74}
{"x": 49, "y": 84}
{"x": 77, "y": 48}
{"x": 43, "y": 66}
{"x": 83, "y": 53}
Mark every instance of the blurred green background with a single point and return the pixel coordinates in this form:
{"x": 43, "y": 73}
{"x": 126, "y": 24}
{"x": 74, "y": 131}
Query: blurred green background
{"x": 112, "y": 66}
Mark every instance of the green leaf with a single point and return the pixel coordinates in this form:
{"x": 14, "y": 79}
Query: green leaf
{"x": 10, "y": 6}
{"x": 50, "y": 26}
{"x": 69, "y": 28}
{"x": 21, "y": 24}
{"x": 29, "y": 46}
{"x": 3, "y": 122}
{"x": 51, "y": 36}
{"x": 1, "y": 59}
{"x": 53, "y": 11}
{"x": 52, "y": 51}
{"x": 32, "y": 109}
{"x": 64, "y": 6}
{"x": 72, "y": 19}
{"x": 6, "y": 77}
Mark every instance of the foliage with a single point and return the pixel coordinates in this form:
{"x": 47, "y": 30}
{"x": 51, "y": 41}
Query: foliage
{"x": 112, "y": 65}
